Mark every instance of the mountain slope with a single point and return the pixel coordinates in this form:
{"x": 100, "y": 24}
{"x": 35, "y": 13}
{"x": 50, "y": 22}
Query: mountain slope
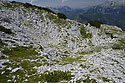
{"x": 36, "y": 46}
{"x": 111, "y": 12}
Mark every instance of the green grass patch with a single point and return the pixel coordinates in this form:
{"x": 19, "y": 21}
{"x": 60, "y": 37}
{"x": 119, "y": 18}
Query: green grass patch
{"x": 57, "y": 20}
{"x": 84, "y": 52}
{"x": 84, "y": 34}
{"x": 68, "y": 60}
{"x": 16, "y": 55}
{"x": 19, "y": 76}
{"x": 20, "y": 57}
{"x": 90, "y": 43}
{"x": 5, "y": 76}
{"x": 122, "y": 41}
{"x": 120, "y": 45}
{"x": 8, "y": 5}
{"x": 95, "y": 49}
{"x": 27, "y": 68}
{"x": 5, "y": 30}
{"x": 105, "y": 79}
{"x": 84, "y": 66}
{"x": 49, "y": 77}
{"x": 56, "y": 76}
{"x": 20, "y": 52}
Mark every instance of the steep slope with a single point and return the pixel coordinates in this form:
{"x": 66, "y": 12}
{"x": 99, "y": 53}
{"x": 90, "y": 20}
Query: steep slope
{"x": 36, "y": 46}
{"x": 111, "y": 12}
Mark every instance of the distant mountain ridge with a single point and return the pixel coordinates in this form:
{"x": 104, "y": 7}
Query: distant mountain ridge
{"x": 68, "y": 11}
{"x": 61, "y": 8}
{"x": 111, "y": 12}
{"x": 113, "y": 3}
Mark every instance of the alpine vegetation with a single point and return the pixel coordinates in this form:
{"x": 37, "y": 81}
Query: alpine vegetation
{"x": 40, "y": 46}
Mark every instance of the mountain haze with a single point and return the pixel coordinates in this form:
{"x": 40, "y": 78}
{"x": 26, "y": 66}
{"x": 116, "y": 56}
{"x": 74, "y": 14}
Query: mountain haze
{"x": 68, "y": 11}
{"x": 110, "y": 12}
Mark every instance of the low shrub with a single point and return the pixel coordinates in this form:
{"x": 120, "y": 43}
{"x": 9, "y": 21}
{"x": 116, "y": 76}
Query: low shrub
{"x": 120, "y": 45}
{"x": 96, "y": 24}
{"x": 84, "y": 34}
{"x": 1, "y": 43}
{"x": 57, "y": 76}
{"x": 7, "y": 5}
{"x": 6, "y": 20}
{"x": 13, "y": 2}
{"x": 27, "y": 5}
{"x": 61, "y": 15}
{"x": 5, "y": 30}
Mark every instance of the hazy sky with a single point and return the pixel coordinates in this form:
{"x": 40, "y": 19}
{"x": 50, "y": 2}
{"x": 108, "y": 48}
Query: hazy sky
{"x": 71, "y": 3}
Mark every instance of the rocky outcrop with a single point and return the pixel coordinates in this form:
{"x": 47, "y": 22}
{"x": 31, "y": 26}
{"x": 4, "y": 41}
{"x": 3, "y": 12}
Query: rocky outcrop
{"x": 40, "y": 42}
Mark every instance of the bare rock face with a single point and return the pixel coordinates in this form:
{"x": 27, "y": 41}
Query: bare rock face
{"x": 3, "y": 1}
{"x": 113, "y": 3}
